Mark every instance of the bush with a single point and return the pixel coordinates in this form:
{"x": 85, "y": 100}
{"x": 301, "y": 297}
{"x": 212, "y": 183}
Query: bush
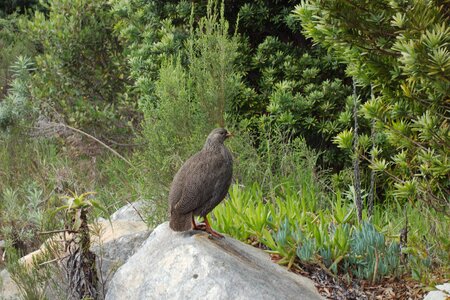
{"x": 281, "y": 72}
{"x": 402, "y": 53}
{"x": 21, "y": 216}
{"x": 13, "y": 43}
{"x": 17, "y": 106}
{"x": 192, "y": 99}
{"x": 80, "y": 72}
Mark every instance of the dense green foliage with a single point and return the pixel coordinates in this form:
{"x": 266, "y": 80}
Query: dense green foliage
{"x": 285, "y": 82}
{"x": 157, "y": 76}
{"x": 80, "y": 73}
{"x": 8, "y": 7}
{"x": 13, "y": 43}
{"x": 190, "y": 100}
{"x": 401, "y": 50}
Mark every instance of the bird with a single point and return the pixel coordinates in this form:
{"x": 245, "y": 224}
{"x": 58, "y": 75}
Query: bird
{"x": 201, "y": 184}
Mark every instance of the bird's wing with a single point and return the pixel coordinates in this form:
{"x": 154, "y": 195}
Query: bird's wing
{"x": 195, "y": 183}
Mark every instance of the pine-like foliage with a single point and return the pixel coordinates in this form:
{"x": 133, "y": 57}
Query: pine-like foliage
{"x": 401, "y": 49}
{"x": 192, "y": 98}
{"x": 152, "y": 31}
{"x": 17, "y": 105}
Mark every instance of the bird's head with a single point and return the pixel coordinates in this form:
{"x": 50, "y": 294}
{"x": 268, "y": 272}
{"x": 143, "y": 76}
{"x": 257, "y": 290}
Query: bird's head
{"x": 218, "y": 135}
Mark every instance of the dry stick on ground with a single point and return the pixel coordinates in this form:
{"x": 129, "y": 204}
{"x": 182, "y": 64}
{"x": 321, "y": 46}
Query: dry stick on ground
{"x": 135, "y": 209}
{"x": 57, "y": 231}
{"x": 59, "y": 125}
{"x": 98, "y": 141}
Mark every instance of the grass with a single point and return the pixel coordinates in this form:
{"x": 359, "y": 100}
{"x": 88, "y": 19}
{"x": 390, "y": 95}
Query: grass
{"x": 36, "y": 174}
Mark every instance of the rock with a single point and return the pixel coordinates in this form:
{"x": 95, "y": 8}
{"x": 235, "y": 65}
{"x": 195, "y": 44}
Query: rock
{"x": 8, "y": 288}
{"x": 436, "y": 295}
{"x": 189, "y": 264}
{"x": 442, "y": 293}
{"x": 130, "y": 212}
{"x": 444, "y": 287}
{"x": 118, "y": 241}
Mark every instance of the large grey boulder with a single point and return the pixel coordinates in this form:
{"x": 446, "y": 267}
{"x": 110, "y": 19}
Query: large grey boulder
{"x": 117, "y": 242}
{"x": 190, "y": 265}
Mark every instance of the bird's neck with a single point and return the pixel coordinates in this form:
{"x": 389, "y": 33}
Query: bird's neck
{"x": 218, "y": 148}
{"x": 211, "y": 146}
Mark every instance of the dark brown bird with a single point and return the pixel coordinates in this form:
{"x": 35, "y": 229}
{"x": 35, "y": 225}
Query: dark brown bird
{"x": 201, "y": 184}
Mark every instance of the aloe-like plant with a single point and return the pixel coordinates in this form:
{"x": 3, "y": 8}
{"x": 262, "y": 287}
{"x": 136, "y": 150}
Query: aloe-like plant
{"x": 293, "y": 229}
{"x": 80, "y": 264}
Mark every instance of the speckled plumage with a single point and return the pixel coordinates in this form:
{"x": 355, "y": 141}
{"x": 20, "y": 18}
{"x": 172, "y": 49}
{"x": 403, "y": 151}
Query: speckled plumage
{"x": 202, "y": 182}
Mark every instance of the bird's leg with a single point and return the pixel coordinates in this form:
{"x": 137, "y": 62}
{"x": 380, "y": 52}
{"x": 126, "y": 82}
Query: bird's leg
{"x": 196, "y": 226}
{"x": 209, "y": 230}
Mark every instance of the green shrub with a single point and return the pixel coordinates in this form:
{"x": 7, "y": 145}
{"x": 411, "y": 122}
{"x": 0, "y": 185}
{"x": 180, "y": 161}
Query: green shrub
{"x": 370, "y": 256}
{"x": 151, "y": 31}
{"x": 402, "y": 53}
{"x": 17, "y": 106}
{"x": 21, "y": 216}
{"x": 13, "y": 43}
{"x": 192, "y": 99}
{"x": 300, "y": 88}
{"x": 80, "y": 70}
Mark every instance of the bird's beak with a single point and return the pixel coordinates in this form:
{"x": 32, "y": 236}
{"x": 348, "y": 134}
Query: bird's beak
{"x": 229, "y": 134}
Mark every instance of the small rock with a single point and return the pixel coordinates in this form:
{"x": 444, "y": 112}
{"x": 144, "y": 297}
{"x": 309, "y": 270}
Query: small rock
{"x": 436, "y": 295}
{"x": 444, "y": 287}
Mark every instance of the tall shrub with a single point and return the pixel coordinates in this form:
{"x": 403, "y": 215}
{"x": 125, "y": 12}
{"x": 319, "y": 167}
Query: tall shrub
{"x": 401, "y": 49}
{"x": 287, "y": 82}
{"x": 192, "y": 98}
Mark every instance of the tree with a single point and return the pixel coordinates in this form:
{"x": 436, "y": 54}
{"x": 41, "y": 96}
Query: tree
{"x": 401, "y": 48}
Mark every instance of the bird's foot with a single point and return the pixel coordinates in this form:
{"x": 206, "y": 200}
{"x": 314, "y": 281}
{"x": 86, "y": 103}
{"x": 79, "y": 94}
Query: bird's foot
{"x": 209, "y": 230}
{"x": 199, "y": 226}
{"x": 214, "y": 233}
{"x": 205, "y": 227}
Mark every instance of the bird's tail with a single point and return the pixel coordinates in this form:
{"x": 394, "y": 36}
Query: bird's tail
{"x": 180, "y": 222}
